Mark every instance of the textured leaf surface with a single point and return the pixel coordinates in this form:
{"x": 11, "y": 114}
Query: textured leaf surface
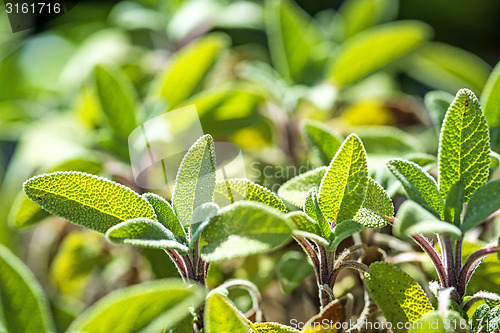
{"x": 188, "y": 68}
{"x": 203, "y": 213}
{"x": 454, "y": 203}
{"x": 312, "y": 209}
{"x": 87, "y": 200}
{"x": 23, "y": 304}
{"x": 273, "y": 328}
{"x": 117, "y": 98}
{"x": 374, "y": 48}
{"x": 146, "y": 233}
{"x": 418, "y": 184}
{"x": 222, "y": 316}
{"x": 243, "y": 229}
{"x": 293, "y": 37}
{"x": 343, "y": 188}
{"x": 343, "y": 230}
{"x": 464, "y": 146}
{"x": 437, "y": 102}
{"x": 414, "y": 219}
{"x": 152, "y": 306}
{"x": 295, "y": 190}
{"x": 322, "y": 139}
{"x": 377, "y": 202}
{"x": 166, "y": 215}
{"x": 484, "y": 202}
{"x": 231, "y": 190}
{"x": 490, "y": 98}
{"x": 195, "y": 181}
{"x": 399, "y": 297}
{"x": 292, "y": 269}
{"x": 303, "y": 222}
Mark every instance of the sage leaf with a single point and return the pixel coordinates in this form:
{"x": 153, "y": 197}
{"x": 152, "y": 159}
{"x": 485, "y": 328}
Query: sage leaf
{"x": 436, "y": 322}
{"x": 166, "y": 215}
{"x": 484, "y": 202}
{"x": 228, "y": 191}
{"x": 146, "y": 233}
{"x": 437, "y": 102}
{"x": 152, "y": 306}
{"x": 322, "y": 139}
{"x": 91, "y": 201}
{"x": 454, "y": 203}
{"x": 24, "y": 306}
{"x": 399, "y": 297}
{"x": 464, "y": 147}
{"x": 312, "y": 209}
{"x": 195, "y": 181}
{"x": 376, "y": 207}
{"x": 343, "y": 230}
{"x": 243, "y": 229}
{"x": 294, "y": 191}
{"x": 222, "y": 316}
{"x": 418, "y": 184}
{"x": 343, "y": 187}
{"x": 292, "y": 269}
{"x": 270, "y": 327}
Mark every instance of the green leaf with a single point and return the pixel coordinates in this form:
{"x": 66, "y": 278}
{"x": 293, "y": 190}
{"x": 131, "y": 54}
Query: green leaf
{"x": 490, "y": 98}
{"x": 245, "y": 228}
{"x": 306, "y": 227}
{"x": 484, "y": 202}
{"x": 399, "y": 297}
{"x": 343, "y": 187}
{"x": 222, "y": 316}
{"x": 195, "y": 181}
{"x": 374, "y": 48}
{"x": 188, "y": 68}
{"x": 23, "y": 303}
{"x": 229, "y": 191}
{"x": 152, "y": 306}
{"x": 442, "y": 66}
{"x": 91, "y": 201}
{"x": 437, "y": 102}
{"x": 312, "y": 209}
{"x": 118, "y": 99}
{"x": 203, "y": 216}
{"x": 414, "y": 219}
{"x": 450, "y": 322}
{"x": 145, "y": 233}
{"x": 292, "y": 269}
{"x": 294, "y": 191}
{"x": 25, "y": 213}
{"x": 343, "y": 230}
{"x": 269, "y": 327}
{"x": 418, "y": 184}
{"x": 387, "y": 141}
{"x": 454, "y": 203}
{"x": 376, "y": 207}
{"x": 360, "y": 14}
{"x": 322, "y": 139}
{"x": 293, "y": 41}
{"x": 166, "y": 215}
{"x": 464, "y": 147}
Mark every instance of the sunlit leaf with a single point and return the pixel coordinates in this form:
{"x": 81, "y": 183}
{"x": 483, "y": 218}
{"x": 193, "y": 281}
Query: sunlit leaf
{"x": 435, "y": 322}
{"x": 323, "y": 140}
{"x": 343, "y": 230}
{"x": 376, "y": 207}
{"x": 360, "y": 14}
{"x": 166, "y": 215}
{"x": 437, "y": 102}
{"x": 295, "y": 190}
{"x": 270, "y": 327}
{"x": 464, "y": 147}
{"x": 484, "y": 202}
{"x": 222, "y": 316}
{"x": 87, "y": 200}
{"x": 313, "y": 210}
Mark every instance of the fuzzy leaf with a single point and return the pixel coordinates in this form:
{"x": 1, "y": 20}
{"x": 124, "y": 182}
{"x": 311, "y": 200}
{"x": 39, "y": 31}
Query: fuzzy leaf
{"x": 484, "y": 202}
{"x": 87, "y": 200}
{"x": 269, "y": 327}
{"x": 145, "y": 233}
{"x": 399, "y": 297}
{"x": 117, "y": 98}
{"x": 303, "y": 222}
{"x": 245, "y": 228}
{"x": 437, "y": 102}
{"x": 292, "y": 269}
{"x": 23, "y": 304}
{"x": 293, "y": 38}
{"x": 454, "y": 203}
{"x": 343, "y": 230}
{"x": 222, "y": 316}
{"x": 322, "y": 139}
{"x": 374, "y": 48}
{"x": 203, "y": 213}
{"x": 195, "y": 181}
{"x": 343, "y": 188}
{"x": 490, "y": 98}
{"x": 152, "y": 306}
{"x": 294, "y": 191}
{"x": 166, "y": 215}
{"x": 231, "y": 190}
{"x": 312, "y": 209}
{"x": 414, "y": 219}
{"x": 464, "y": 147}
{"x": 188, "y": 68}
{"x": 377, "y": 202}
{"x": 418, "y": 184}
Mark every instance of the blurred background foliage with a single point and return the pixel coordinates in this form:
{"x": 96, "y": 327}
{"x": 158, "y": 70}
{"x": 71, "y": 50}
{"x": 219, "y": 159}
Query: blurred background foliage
{"x": 73, "y": 89}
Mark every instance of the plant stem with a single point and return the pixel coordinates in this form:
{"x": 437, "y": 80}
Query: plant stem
{"x": 471, "y": 264}
{"x": 346, "y": 264}
{"x": 179, "y": 263}
{"x": 306, "y": 246}
{"x": 436, "y": 261}
{"x": 448, "y": 260}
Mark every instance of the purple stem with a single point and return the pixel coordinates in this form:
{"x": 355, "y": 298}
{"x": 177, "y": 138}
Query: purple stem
{"x": 306, "y": 246}
{"x": 471, "y": 264}
{"x": 436, "y": 261}
{"x": 179, "y": 263}
{"x": 448, "y": 260}
{"x": 323, "y": 264}
{"x": 346, "y": 264}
